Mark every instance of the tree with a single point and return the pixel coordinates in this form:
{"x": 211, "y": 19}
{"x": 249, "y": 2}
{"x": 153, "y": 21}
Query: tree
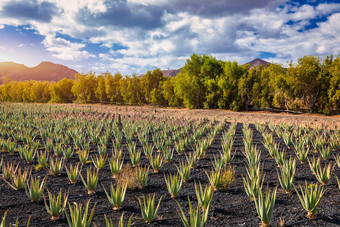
{"x": 305, "y": 80}
{"x": 249, "y": 87}
{"x": 100, "y": 90}
{"x": 40, "y": 91}
{"x": 61, "y": 92}
{"x": 151, "y": 83}
{"x": 84, "y": 88}
{"x": 112, "y": 84}
{"x": 193, "y": 80}
{"x": 334, "y": 88}
{"x": 228, "y": 85}
{"x": 170, "y": 93}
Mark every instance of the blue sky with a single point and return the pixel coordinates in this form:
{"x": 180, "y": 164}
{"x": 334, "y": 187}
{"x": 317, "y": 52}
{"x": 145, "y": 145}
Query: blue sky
{"x": 133, "y": 36}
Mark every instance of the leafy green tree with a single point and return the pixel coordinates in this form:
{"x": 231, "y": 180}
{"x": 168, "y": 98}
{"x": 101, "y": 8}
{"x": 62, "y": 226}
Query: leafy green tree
{"x": 249, "y": 88}
{"x": 100, "y": 90}
{"x": 191, "y": 82}
{"x": 131, "y": 90}
{"x": 40, "y": 91}
{"x": 61, "y": 92}
{"x": 170, "y": 93}
{"x": 334, "y": 88}
{"x": 305, "y": 80}
{"x": 112, "y": 84}
{"x": 84, "y": 88}
{"x": 228, "y": 85}
{"x": 151, "y": 84}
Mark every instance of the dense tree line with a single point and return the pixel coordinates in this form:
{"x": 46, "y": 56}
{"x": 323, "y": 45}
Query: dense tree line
{"x": 204, "y": 82}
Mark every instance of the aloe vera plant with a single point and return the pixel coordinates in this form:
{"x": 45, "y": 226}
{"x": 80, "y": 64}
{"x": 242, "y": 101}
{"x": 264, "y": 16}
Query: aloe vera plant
{"x": 34, "y": 189}
{"x": 76, "y": 218}
{"x": 173, "y": 183}
{"x": 19, "y": 179}
{"x": 310, "y": 198}
{"x": 265, "y": 206}
{"x": 73, "y": 173}
{"x": 91, "y": 180}
{"x": 99, "y": 162}
{"x": 148, "y": 208}
{"x": 184, "y": 170}
{"x": 204, "y": 197}
{"x": 156, "y": 162}
{"x": 116, "y": 164}
{"x": 109, "y": 222}
{"x": 56, "y": 207}
{"x": 323, "y": 175}
{"x": 116, "y": 197}
{"x": 196, "y": 219}
{"x": 287, "y": 175}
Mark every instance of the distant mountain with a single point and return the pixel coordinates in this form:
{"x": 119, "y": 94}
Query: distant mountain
{"x": 257, "y": 62}
{"x": 171, "y": 73}
{"x": 47, "y": 71}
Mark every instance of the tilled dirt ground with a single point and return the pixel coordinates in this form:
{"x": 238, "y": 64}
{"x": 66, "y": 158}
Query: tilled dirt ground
{"x": 309, "y": 120}
{"x": 229, "y": 208}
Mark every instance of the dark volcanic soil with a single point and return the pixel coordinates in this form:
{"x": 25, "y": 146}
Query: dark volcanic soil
{"x": 230, "y": 208}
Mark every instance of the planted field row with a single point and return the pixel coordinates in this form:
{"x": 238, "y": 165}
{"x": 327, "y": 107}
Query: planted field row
{"x": 60, "y": 164}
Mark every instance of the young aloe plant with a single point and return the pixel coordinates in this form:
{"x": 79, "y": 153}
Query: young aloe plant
{"x": 117, "y": 196}
{"x": 56, "y": 207}
{"x": 253, "y": 182}
{"x": 310, "y": 198}
{"x": 8, "y": 170}
{"x": 156, "y": 162}
{"x": 221, "y": 179}
{"x": 29, "y": 155}
{"x": 76, "y": 219}
{"x": 197, "y": 219}
{"x": 143, "y": 173}
{"x": 323, "y": 175}
{"x": 148, "y": 209}
{"x": 83, "y": 156}
{"x": 168, "y": 154}
{"x": 280, "y": 156}
{"x": 184, "y": 170}
{"x": 135, "y": 157}
{"x": 68, "y": 152}
{"x": 34, "y": 189}
{"x": 91, "y": 180}
{"x": 42, "y": 161}
{"x": 174, "y": 184}
{"x": 287, "y": 175}
{"x": 99, "y": 162}
{"x": 325, "y": 152}
{"x": 265, "y": 206}
{"x": 314, "y": 164}
{"x": 56, "y": 166}
{"x": 302, "y": 155}
{"x": 204, "y": 197}
{"x": 73, "y": 173}
{"x": 109, "y": 222}
{"x": 116, "y": 164}
{"x": 3, "y": 220}
{"x": 19, "y": 179}
{"x": 337, "y": 160}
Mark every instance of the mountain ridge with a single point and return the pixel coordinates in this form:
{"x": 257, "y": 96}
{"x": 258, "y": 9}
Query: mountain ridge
{"x": 45, "y": 71}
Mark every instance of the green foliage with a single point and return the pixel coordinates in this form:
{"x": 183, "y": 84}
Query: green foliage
{"x": 148, "y": 209}
{"x": 203, "y": 82}
{"x": 76, "y": 218}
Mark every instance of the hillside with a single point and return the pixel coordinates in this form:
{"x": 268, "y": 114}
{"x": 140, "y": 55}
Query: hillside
{"x": 257, "y": 62}
{"x": 46, "y": 71}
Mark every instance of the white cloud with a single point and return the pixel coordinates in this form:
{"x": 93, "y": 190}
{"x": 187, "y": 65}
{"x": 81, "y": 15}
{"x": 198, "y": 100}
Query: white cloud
{"x": 2, "y": 26}
{"x": 66, "y": 50}
{"x": 231, "y": 36}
